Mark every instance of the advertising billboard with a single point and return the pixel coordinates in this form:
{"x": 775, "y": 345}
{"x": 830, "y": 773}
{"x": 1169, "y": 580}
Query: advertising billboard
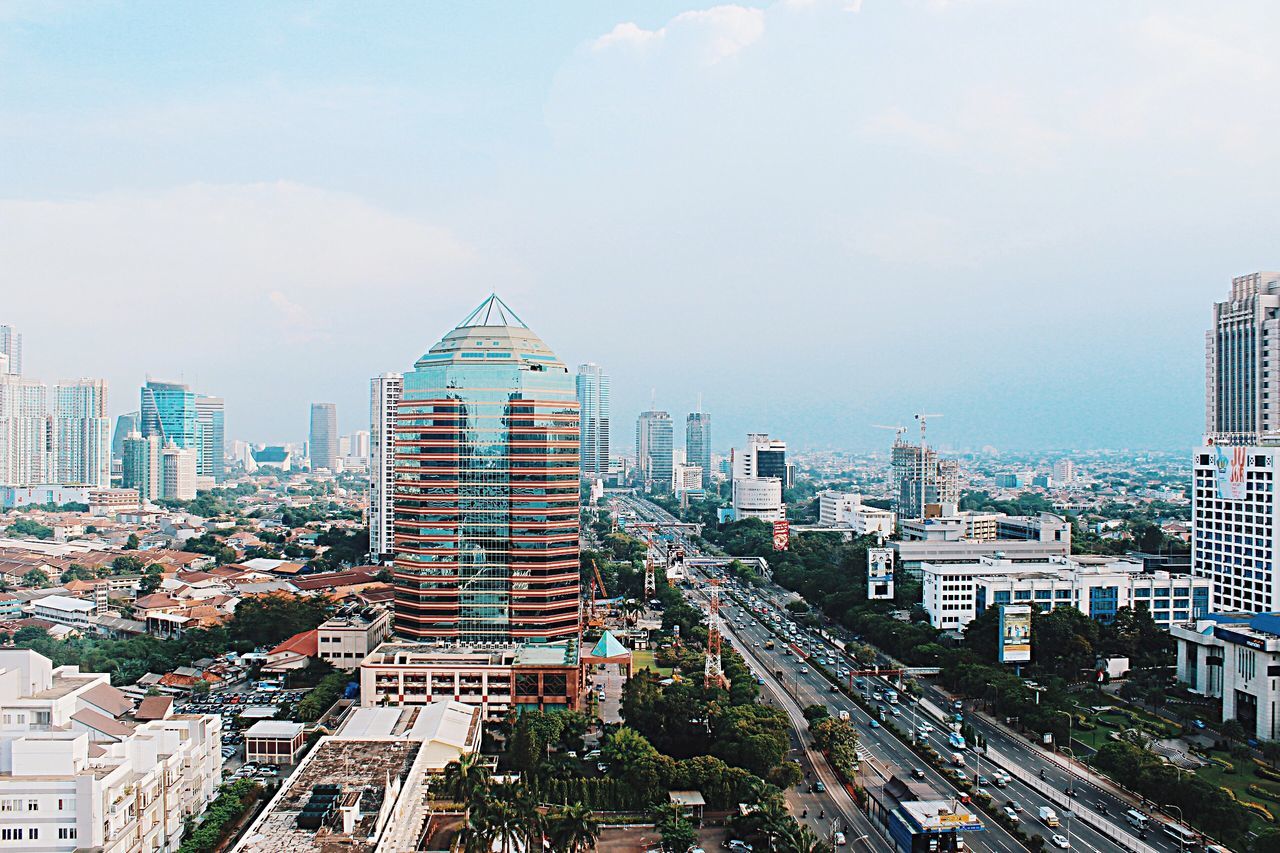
{"x": 1015, "y": 633}
{"x": 1229, "y": 474}
{"x": 781, "y": 535}
{"x": 879, "y": 573}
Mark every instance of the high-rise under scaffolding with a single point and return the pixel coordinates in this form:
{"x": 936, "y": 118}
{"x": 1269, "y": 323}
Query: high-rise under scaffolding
{"x": 921, "y": 477}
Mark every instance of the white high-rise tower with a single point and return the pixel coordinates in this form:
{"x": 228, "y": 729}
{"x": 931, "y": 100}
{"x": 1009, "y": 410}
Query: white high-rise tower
{"x": 11, "y": 350}
{"x": 593, "y": 404}
{"x": 25, "y": 432}
{"x": 384, "y": 399}
{"x": 82, "y": 433}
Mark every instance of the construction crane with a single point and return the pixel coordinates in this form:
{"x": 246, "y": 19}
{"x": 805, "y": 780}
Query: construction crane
{"x": 898, "y": 431}
{"x": 598, "y": 583}
{"x": 923, "y": 418}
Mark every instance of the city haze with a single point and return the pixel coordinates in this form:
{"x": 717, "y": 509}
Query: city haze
{"x": 817, "y": 215}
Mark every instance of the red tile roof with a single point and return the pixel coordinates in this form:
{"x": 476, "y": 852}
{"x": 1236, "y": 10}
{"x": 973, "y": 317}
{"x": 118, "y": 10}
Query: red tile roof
{"x": 307, "y": 643}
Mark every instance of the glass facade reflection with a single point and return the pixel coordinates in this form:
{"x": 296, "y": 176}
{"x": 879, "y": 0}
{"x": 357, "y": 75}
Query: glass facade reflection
{"x": 486, "y": 487}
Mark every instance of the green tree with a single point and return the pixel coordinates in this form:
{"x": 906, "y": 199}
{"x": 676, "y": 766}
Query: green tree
{"x": 37, "y": 578}
{"x": 465, "y": 780}
{"x": 678, "y": 835}
{"x": 132, "y": 543}
{"x": 126, "y": 566}
{"x": 572, "y": 828}
{"x": 28, "y": 528}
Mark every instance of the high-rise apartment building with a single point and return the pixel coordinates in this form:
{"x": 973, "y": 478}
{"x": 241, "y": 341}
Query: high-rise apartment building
{"x": 384, "y": 399}
{"x": 697, "y": 443}
{"x": 127, "y": 423}
{"x": 1064, "y": 472}
{"x": 655, "y": 459}
{"x": 11, "y": 350}
{"x": 211, "y": 438}
{"x": 322, "y": 443}
{"x": 1242, "y": 376}
{"x": 486, "y": 488}
{"x": 168, "y": 411}
{"x": 178, "y": 467}
{"x": 82, "y": 433}
{"x": 140, "y": 467}
{"x": 26, "y": 432}
{"x": 593, "y": 405}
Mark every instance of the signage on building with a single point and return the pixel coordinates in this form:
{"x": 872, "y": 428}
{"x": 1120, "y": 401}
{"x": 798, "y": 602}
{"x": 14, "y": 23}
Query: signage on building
{"x": 1229, "y": 464}
{"x": 1015, "y": 633}
{"x": 781, "y": 535}
{"x": 1239, "y": 639}
{"x": 879, "y": 573}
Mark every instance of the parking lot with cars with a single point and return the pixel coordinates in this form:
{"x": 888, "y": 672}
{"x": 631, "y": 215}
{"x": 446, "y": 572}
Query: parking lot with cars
{"x": 231, "y": 706}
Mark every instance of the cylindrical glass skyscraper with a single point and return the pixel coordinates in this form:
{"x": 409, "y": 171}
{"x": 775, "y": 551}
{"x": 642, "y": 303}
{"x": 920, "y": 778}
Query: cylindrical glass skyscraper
{"x": 486, "y": 487}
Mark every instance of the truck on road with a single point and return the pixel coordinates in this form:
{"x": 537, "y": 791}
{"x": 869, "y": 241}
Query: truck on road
{"x": 1048, "y": 816}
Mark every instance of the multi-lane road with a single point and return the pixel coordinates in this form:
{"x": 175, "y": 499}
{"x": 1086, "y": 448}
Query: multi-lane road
{"x": 1083, "y": 821}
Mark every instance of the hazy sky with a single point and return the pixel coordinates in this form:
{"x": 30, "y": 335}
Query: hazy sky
{"x": 819, "y": 215}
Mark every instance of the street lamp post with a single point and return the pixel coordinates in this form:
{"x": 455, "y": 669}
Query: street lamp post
{"x": 1181, "y": 846}
{"x": 1071, "y": 778}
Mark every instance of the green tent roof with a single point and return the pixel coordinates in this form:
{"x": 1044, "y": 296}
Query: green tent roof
{"x": 609, "y": 647}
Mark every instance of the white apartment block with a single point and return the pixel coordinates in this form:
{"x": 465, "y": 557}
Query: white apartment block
{"x": 1235, "y": 657}
{"x": 1235, "y": 535}
{"x": 82, "y": 433}
{"x": 846, "y": 509}
{"x": 954, "y": 594}
{"x": 178, "y": 472}
{"x": 384, "y": 400}
{"x": 77, "y": 774}
{"x": 686, "y": 478}
{"x": 1242, "y": 379}
{"x": 25, "y": 432}
{"x": 64, "y": 610}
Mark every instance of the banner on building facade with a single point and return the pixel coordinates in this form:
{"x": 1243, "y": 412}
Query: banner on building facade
{"x": 1230, "y": 477}
{"x": 879, "y": 573}
{"x": 781, "y": 535}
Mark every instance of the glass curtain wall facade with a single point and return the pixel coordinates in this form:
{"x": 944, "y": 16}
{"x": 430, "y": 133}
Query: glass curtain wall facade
{"x": 169, "y": 411}
{"x": 697, "y": 443}
{"x": 593, "y": 403}
{"x": 486, "y": 487}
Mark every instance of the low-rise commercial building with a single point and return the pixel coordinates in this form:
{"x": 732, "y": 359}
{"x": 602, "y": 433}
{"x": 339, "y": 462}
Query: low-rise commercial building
{"x": 758, "y": 497}
{"x": 948, "y": 536}
{"x": 955, "y": 593}
{"x": 497, "y": 679}
{"x": 274, "y": 742}
{"x": 1235, "y": 657}
{"x": 345, "y": 641}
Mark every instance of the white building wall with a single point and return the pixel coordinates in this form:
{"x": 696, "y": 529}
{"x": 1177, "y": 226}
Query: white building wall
{"x": 384, "y": 400}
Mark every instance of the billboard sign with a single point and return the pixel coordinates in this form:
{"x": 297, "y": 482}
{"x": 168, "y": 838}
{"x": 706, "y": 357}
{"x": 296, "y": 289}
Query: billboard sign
{"x": 1015, "y": 633}
{"x": 781, "y": 535}
{"x": 1229, "y": 465}
{"x": 879, "y": 573}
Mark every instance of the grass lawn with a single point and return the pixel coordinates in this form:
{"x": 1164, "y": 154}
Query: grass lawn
{"x": 643, "y": 659}
{"x": 1239, "y": 783}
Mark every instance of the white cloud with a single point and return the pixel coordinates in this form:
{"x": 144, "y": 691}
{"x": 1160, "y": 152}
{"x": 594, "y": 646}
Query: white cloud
{"x": 716, "y": 33}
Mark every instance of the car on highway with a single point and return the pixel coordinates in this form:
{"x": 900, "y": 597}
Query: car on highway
{"x": 819, "y": 788}
{"x": 875, "y": 724}
{"x": 840, "y": 839}
{"x": 804, "y": 670}
{"x": 1061, "y": 842}
{"x": 1015, "y": 805}
{"x": 917, "y": 773}
{"x": 1011, "y": 814}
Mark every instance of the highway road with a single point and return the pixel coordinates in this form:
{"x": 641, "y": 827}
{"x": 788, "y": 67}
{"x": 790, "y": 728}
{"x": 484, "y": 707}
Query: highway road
{"x": 749, "y": 630}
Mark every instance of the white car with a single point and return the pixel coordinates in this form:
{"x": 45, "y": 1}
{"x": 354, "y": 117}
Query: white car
{"x": 840, "y": 839}
{"x": 1011, "y": 814}
{"x": 1061, "y": 841}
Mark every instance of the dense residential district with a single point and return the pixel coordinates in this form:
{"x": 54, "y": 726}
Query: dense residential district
{"x": 479, "y": 626}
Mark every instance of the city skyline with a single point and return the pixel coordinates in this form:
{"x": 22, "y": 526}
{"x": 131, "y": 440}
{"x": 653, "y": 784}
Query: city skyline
{"x": 1051, "y": 244}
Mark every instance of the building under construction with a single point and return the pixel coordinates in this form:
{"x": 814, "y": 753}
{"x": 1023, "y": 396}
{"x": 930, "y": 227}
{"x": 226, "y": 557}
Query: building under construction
{"x": 922, "y": 478}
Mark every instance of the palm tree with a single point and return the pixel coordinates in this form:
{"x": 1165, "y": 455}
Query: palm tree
{"x": 506, "y": 822}
{"x": 573, "y": 828}
{"x": 465, "y": 780}
{"x": 476, "y": 834}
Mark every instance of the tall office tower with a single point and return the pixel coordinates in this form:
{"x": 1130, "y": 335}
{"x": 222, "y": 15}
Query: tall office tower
{"x": 486, "y": 500}
{"x": 26, "y": 432}
{"x": 655, "y": 461}
{"x": 384, "y": 398}
{"x": 141, "y": 465}
{"x": 168, "y": 411}
{"x": 1064, "y": 472}
{"x": 921, "y": 478}
{"x": 82, "y": 433}
{"x": 211, "y": 437}
{"x": 697, "y": 443}
{"x": 322, "y": 443}
{"x": 11, "y": 349}
{"x": 762, "y": 457}
{"x": 125, "y": 424}
{"x": 178, "y": 466}
{"x": 359, "y": 444}
{"x": 593, "y": 404}
{"x": 1242, "y": 386}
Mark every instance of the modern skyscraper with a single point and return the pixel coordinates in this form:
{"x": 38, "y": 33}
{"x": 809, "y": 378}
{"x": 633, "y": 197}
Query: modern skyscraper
{"x": 211, "y": 437}
{"x": 697, "y": 443}
{"x": 82, "y": 433}
{"x": 1242, "y": 387}
{"x": 168, "y": 411}
{"x": 322, "y": 443}
{"x": 141, "y": 465}
{"x": 486, "y": 494}
{"x": 26, "y": 432}
{"x": 11, "y": 349}
{"x": 384, "y": 399}
{"x": 125, "y": 424}
{"x": 593, "y": 403}
{"x": 655, "y": 460}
